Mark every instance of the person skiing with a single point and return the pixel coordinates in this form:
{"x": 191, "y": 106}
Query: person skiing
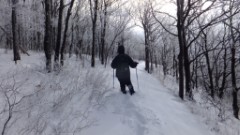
{"x": 121, "y": 63}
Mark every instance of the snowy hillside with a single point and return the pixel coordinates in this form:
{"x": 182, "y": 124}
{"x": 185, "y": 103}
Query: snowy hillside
{"x": 82, "y": 101}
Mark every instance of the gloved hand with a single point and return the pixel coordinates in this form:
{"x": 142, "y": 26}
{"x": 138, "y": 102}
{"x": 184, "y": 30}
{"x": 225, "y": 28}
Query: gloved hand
{"x": 136, "y": 63}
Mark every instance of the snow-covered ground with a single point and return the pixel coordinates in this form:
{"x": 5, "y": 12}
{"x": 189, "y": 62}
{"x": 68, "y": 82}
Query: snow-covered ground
{"x": 153, "y": 110}
{"x": 82, "y": 101}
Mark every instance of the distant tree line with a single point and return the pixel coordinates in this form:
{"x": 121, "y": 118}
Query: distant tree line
{"x": 61, "y": 27}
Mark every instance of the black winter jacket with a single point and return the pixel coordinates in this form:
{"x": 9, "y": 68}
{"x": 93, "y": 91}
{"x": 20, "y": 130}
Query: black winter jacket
{"x": 121, "y": 63}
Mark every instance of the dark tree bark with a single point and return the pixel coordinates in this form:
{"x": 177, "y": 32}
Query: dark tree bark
{"x": 71, "y": 45}
{"x": 234, "y": 85}
{"x": 103, "y": 31}
{"x": 147, "y": 56}
{"x": 151, "y": 59}
{"x": 94, "y": 14}
{"x": 47, "y": 39}
{"x": 147, "y": 31}
{"x": 225, "y": 65}
{"x": 224, "y": 79}
{"x": 175, "y": 66}
{"x": 65, "y": 32}
{"x": 233, "y": 70}
{"x": 188, "y": 78}
{"x": 59, "y": 36}
{"x": 180, "y": 29}
{"x": 16, "y": 53}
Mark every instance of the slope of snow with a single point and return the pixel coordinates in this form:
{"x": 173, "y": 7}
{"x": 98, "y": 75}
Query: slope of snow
{"x": 82, "y": 101}
{"x": 48, "y": 103}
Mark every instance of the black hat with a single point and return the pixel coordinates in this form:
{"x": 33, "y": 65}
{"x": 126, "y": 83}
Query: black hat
{"x": 121, "y": 49}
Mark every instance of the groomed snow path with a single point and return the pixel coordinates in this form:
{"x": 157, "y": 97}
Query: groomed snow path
{"x": 153, "y": 110}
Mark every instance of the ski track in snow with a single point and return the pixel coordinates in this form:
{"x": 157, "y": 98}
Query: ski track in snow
{"x": 153, "y": 110}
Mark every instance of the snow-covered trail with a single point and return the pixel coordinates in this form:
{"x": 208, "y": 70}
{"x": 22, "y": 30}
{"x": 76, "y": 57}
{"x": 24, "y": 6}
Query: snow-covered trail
{"x": 153, "y": 110}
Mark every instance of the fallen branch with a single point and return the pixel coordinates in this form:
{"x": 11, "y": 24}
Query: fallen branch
{"x": 24, "y": 50}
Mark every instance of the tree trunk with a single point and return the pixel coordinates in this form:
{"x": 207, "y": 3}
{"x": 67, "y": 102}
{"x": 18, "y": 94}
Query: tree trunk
{"x": 221, "y": 89}
{"x": 175, "y": 65}
{"x": 147, "y": 67}
{"x": 180, "y": 29}
{"x": 103, "y": 33}
{"x": 196, "y": 73}
{"x": 181, "y": 77}
{"x": 71, "y": 45}
{"x": 234, "y": 85}
{"x": 233, "y": 70}
{"x": 93, "y": 44}
{"x": 187, "y": 73}
{"x": 65, "y": 32}
{"x": 151, "y": 60}
{"x": 59, "y": 36}
{"x": 16, "y": 53}
{"x": 19, "y": 43}
{"x": 94, "y": 13}
{"x": 47, "y": 39}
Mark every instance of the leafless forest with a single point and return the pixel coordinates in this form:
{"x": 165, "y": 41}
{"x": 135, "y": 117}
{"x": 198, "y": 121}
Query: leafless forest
{"x": 197, "y": 42}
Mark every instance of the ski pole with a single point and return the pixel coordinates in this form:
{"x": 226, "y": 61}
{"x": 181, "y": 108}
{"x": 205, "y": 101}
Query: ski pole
{"x": 137, "y": 78}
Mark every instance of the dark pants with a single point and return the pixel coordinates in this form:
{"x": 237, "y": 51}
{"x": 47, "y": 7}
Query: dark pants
{"x": 128, "y": 83}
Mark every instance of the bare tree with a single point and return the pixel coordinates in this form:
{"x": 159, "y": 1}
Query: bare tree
{"x": 187, "y": 14}
{"x": 14, "y": 32}
{"x": 94, "y": 14}
{"x": 148, "y": 24}
{"x": 234, "y": 40}
{"x": 65, "y": 31}
{"x": 47, "y": 39}
{"x": 59, "y": 35}
{"x": 104, "y": 20}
